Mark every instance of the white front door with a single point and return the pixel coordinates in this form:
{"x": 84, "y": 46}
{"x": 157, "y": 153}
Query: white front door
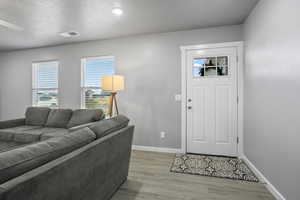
{"x": 212, "y": 101}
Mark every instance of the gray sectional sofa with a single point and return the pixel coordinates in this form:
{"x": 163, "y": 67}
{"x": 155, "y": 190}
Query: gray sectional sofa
{"x": 44, "y": 123}
{"x": 63, "y": 154}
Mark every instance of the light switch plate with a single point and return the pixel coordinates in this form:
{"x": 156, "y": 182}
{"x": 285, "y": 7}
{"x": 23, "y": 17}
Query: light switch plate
{"x": 177, "y": 97}
{"x": 162, "y": 135}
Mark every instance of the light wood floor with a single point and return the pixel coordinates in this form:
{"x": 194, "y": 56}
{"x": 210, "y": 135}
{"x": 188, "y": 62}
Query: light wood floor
{"x": 150, "y": 179}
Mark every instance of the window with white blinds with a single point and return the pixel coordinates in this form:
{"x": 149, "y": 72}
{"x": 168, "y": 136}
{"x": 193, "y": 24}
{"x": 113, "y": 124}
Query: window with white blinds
{"x": 93, "y": 69}
{"x": 45, "y": 84}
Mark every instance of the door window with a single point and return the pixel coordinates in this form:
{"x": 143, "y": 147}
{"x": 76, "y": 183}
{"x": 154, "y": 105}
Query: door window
{"x": 210, "y": 66}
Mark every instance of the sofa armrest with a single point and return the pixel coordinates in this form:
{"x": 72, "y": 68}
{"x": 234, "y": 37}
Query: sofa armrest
{"x": 75, "y": 128}
{"x": 92, "y": 172}
{"x": 12, "y": 123}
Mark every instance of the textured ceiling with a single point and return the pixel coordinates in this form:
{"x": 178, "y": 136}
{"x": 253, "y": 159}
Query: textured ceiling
{"x": 43, "y": 20}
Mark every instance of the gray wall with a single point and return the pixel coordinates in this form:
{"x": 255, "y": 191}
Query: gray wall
{"x": 272, "y": 93}
{"x": 151, "y": 65}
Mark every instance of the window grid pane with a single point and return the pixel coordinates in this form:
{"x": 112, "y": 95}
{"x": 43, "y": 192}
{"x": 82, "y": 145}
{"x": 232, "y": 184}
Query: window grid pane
{"x": 45, "y": 84}
{"x": 46, "y": 75}
{"x": 210, "y": 66}
{"x": 94, "y": 69}
{"x": 45, "y": 98}
{"x": 95, "y": 99}
{"x": 222, "y": 66}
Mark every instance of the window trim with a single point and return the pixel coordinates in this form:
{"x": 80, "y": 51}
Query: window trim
{"x": 34, "y": 79}
{"x": 83, "y": 72}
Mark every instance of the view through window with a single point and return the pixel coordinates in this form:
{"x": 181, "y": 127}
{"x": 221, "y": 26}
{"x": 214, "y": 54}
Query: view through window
{"x": 45, "y": 84}
{"x": 93, "y": 69}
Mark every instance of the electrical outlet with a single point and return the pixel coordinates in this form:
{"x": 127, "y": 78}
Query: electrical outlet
{"x": 162, "y": 134}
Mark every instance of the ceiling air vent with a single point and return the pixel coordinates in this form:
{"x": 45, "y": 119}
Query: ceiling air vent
{"x": 69, "y": 34}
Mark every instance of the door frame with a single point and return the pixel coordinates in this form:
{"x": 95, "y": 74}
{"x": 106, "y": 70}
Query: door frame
{"x": 239, "y": 45}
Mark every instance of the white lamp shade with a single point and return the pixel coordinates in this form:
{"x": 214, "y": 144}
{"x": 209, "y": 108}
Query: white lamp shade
{"x": 112, "y": 83}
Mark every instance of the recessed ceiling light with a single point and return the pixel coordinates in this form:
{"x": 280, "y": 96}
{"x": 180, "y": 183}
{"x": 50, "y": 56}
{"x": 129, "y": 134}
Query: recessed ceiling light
{"x": 117, "y": 11}
{"x": 69, "y": 34}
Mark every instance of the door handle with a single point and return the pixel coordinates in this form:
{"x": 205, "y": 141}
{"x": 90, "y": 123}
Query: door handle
{"x": 190, "y": 107}
{"x": 189, "y": 100}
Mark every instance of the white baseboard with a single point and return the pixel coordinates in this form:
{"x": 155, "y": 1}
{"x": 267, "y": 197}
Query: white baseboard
{"x": 263, "y": 179}
{"x": 156, "y": 149}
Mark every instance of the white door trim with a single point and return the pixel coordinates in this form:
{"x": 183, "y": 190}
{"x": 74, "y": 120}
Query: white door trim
{"x": 240, "y": 77}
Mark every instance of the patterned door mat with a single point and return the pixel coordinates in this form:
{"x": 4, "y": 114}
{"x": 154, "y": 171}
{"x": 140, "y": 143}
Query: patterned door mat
{"x": 215, "y": 166}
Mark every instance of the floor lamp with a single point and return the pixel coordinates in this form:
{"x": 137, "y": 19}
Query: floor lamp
{"x": 113, "y": 84}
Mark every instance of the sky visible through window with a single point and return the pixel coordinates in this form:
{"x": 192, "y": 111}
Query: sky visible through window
{"x": 45, "y": 84}
{"x": 47, "y": 75}
{"x": 95, "y": 68}
{"x": 199, "y": 62}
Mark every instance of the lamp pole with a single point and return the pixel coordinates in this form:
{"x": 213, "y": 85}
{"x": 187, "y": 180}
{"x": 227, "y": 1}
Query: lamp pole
{"x": 113, "y": 100}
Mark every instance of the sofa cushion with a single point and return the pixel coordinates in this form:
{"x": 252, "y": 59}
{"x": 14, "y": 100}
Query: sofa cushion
{"x": 29, "y": 136}
{"x": 59, "y": 118}
{"x": 20, "y": 160}
{"x": 59, "y": 132}
{"x": 107, "y": 126}
{"x": 36, "y": 116}
{"x": 9, "y": 133}
{"x": 75, "y": 128}
{"x": 84, "y": 116}
{"x": 9, "y": 145}
{"x": 12, "y": 123}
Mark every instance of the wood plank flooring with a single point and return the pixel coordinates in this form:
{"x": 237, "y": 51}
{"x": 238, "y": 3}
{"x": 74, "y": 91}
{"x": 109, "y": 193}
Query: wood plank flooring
{"x": 150, "y": 179}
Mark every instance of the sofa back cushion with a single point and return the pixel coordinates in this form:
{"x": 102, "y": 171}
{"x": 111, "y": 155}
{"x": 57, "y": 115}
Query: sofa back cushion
{"x": 107, "y": 126}
{"x": 59, "y": 118}
{"x": 18, "y": 161}
{"x": 84, "y": 116}
{"x": 36, "y": 116}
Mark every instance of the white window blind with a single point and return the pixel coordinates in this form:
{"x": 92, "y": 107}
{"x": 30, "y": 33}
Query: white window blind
{"x": 92, "y": 71}
{"x": 45, "y": 84}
